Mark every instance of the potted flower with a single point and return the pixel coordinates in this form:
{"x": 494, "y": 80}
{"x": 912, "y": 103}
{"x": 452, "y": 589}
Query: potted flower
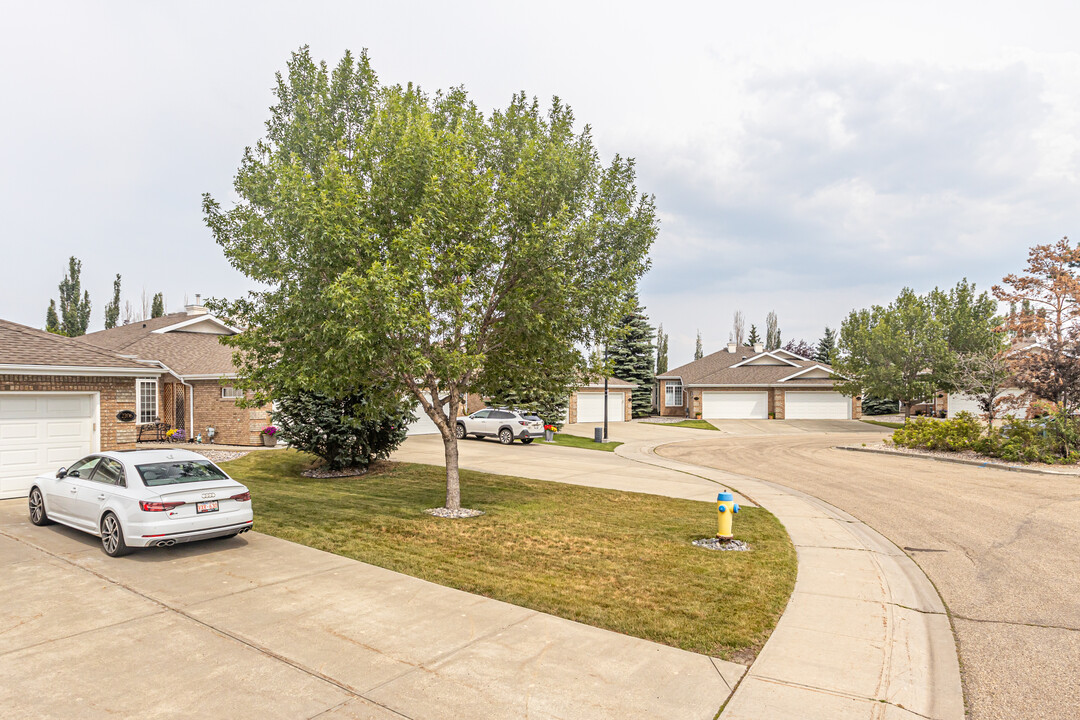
{"x": 549, "y": 433}
{"x": 269, "y": 436}
{"x": 175, "y": 435}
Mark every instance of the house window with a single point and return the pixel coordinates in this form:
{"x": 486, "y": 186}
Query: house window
{"x": 673, "y": 394}
{"x": 230, "y": 393}
{"x": 146, "y": 400}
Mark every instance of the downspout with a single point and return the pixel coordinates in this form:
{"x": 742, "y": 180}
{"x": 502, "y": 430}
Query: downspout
{"x": 191, "y": 397}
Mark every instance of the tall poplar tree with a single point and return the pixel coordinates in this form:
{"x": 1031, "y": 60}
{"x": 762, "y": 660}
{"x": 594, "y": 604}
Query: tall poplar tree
{"x": 112, "y": 309}
{"x": 74, "y": 311}
{"x": 661, "y": 350}
{"x": 698, "y": 351}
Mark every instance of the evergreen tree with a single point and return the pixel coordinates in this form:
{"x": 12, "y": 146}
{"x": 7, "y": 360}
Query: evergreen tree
{"x": 112, "y": 310}
{"x": 772, "y": 331}
{"x": 754, "y": 338}
{"x": 632, "y": 356}
{"x": 74, "y": 313}
{"x": 698, "y": 354}
{"x": 158, "y": 307}
{"x": 826, "y": 347}
{"x": 52, "y": 320}
{"x": 661, "y": 351}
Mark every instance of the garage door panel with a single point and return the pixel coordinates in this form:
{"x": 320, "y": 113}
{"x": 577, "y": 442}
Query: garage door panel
{"x": 590, "y": 407}
{"x": 38, "y": 434}
{"x": 735, "y": 405}
{"x": 423, "y": 424}
{"x": 816, "y": 406}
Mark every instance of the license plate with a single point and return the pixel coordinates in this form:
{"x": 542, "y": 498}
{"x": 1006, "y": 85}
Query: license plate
{"x": 211, "y": 506}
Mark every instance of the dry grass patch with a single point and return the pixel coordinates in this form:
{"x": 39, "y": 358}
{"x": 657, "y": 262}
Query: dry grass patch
{"x": 621, "y": 561}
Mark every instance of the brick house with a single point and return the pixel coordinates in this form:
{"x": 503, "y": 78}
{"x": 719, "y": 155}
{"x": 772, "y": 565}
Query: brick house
{"x": 587, "y": 402}
{"x": 61, "y": 399}
{"x": 193, "y": 394}
{"x": 744, "y": 382}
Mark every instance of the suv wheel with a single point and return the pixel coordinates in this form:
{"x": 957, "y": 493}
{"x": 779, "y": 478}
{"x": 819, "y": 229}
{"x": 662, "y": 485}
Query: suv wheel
{"x": 505, "y": 436}
{"x": 460, "y": 431}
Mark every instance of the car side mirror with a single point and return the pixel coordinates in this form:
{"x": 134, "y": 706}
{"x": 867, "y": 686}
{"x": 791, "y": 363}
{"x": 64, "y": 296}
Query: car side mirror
{"x": 62, "y": 472}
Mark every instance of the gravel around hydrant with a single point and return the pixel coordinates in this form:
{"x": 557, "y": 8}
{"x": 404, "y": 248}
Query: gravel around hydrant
{"x": 718, "y": 544}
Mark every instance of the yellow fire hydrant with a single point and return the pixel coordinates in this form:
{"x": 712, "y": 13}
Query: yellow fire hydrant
{"x": 726, "y": 507}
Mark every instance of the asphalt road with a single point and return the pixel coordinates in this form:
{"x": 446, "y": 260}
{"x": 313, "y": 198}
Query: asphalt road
{"x": 1003, "y": 549}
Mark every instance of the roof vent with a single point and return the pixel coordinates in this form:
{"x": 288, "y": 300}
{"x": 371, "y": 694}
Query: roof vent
{"x": 759, "y": 348}
{"x": 731, "y": 348}
{"x": 198, "y": 308}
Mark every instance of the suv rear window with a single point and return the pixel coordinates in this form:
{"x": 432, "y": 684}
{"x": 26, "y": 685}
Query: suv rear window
{"x": 175, "y": 472}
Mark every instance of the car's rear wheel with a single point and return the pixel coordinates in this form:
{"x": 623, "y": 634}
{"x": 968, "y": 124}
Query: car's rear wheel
{"x": 460, "y": 431}
{"x": 38, "y": 516}
{"x": 112, "y": 536}
{"x": 526, "y": 441}
{"x": 505, "y": 436}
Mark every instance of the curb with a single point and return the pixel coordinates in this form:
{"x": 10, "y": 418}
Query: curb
{"x": 959, "y": 461}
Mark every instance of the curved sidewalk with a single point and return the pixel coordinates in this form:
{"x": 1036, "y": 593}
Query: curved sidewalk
{"x": 865, "y": 634}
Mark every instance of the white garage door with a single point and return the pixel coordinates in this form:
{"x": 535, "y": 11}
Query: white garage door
{"x": 735, "y": 405}
{"x": 39, "y": 433}
{"x": 590, "y": 407}
{"x": 816, "y": 406}
{"x": 965, "y": 403}
{"x": 423, "y": 425}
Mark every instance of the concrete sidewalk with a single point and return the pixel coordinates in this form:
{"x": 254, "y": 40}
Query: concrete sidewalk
{"x": 865, "y": 635}
{"x": 257, "y": 627}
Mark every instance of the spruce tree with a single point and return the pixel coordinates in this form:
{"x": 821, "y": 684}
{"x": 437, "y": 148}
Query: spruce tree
{"x": 631, "y": 357}
{"x": 698, "y": 354}
{"x": 52, "y": 320}
{"x": 112, "y": 309}
{"x": 826, "y": 347}
{"x": 661, "y": 351}
{"x": 158, "y": 307}
{"x": 754, "y": 338}
{"x": 74, "y": 313}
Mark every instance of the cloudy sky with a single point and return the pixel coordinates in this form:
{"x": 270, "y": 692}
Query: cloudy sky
{"x": 807, "y": 158}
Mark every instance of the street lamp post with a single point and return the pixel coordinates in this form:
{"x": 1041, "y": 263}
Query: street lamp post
{"x": 605, "y": 391}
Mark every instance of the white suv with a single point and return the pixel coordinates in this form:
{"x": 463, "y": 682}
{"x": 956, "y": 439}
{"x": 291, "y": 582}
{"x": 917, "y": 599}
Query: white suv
{"x": 507, "y": 425}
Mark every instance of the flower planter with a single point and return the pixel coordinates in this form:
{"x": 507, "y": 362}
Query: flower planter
{"x": 269, "y": 440}
{"x": 549, "y": 435}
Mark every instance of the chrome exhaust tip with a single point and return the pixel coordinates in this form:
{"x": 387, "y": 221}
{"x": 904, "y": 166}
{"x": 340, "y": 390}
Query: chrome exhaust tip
{"x": 166, "y": 543}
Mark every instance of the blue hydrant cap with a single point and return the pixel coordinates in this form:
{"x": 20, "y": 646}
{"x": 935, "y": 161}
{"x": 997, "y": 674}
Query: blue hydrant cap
{"x": 722, "y": 497}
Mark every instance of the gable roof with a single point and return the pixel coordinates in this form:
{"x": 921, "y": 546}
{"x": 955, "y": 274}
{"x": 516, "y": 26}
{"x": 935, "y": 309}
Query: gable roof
{"x": 724, "y": 368}
{"x": 167, "y": 339}
{"x": 32, "y": 351}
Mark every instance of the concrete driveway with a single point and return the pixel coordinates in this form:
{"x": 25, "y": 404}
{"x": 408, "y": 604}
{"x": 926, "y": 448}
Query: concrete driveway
{"x": 257, "y": 627}
{"x": 1003, "y": 549}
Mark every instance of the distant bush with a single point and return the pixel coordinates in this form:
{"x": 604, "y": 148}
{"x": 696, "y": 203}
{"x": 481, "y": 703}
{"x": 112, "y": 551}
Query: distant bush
{"x": 879, "y": 406}
{"x": 1052, "y": 439}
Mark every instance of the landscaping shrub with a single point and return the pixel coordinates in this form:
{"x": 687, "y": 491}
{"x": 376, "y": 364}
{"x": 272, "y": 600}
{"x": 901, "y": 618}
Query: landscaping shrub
{"x": 341, "y": 431}
{"x": 1052, "y": 439}
{"x": 879, "y": 406}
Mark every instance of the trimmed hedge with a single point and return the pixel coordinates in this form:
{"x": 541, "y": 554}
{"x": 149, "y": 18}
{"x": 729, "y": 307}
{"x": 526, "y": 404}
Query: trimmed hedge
{"x": 1051, "y": 439}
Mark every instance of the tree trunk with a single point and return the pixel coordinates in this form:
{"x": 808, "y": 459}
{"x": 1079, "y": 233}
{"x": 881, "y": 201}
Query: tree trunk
{"x": 453, "y": 484}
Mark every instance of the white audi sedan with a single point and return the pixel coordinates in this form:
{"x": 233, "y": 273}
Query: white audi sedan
{"x": 140, "y": 498}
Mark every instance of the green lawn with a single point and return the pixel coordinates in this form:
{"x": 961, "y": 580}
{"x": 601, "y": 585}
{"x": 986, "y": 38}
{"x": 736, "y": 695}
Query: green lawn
{"x": 883, "y": 423}
{"x": 621, "y": 561}
{"x": 696, "y": 424}
{"x": 580, "y": 442}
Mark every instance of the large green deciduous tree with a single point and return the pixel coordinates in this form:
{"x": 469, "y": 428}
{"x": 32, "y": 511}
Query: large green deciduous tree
{"x": 409, "y": 239}
{"x": 909, "y": 349}
{"x": 631, "y": 356}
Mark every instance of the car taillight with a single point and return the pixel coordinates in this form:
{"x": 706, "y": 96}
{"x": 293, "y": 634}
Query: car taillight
{"x": 158, "y": 506}
{"x": 242, "y": 497}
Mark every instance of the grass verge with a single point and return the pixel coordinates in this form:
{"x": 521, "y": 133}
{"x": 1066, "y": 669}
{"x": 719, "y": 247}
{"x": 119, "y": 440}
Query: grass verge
{"x": 577, "y": 441}
{"x": 621, "y": 561}
{"x": 883, "y": 423}
{"x": 696, "y": 424}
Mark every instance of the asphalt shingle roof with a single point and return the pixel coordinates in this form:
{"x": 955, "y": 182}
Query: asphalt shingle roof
{"x": 716, "y": 369}
{"x": 22, "y": 345}
{"x": 186, "y": 353}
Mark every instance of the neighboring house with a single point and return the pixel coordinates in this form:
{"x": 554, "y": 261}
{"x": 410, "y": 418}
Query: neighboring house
{"x": 59, "y": 401}
{"x": 193, "y": 394}
{"x": 1014, "y": 402}
{"x": 742, "y": 382}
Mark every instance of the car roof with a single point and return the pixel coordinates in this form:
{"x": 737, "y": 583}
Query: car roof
{"x": 139, "y": 457}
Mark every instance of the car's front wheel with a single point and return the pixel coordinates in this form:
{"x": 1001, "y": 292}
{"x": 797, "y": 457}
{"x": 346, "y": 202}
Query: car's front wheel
{"x": 460, "y": 431}
{"x": 505, "y": 436}
{"x": 112, "y": 536}
{"x": 38, "y": 516}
